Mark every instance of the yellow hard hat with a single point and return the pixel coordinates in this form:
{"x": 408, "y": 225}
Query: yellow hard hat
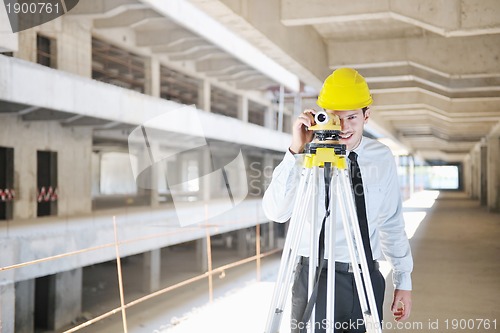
{"x": 344, "y": 89}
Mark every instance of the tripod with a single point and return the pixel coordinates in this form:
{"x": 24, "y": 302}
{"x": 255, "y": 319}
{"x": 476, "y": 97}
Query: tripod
{"x": 329, "y": 155}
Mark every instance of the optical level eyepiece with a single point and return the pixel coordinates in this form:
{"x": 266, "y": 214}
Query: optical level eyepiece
{"x": 321, "y": 118}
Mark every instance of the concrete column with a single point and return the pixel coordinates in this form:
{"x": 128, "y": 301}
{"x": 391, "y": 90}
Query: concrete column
{"x": 411, "y": 174}
{"x": 281, "y": 108}
{"x": 271, "y": 241}
{"x": 147, "y": 182}
{"x": 67, "y": 297}
{"x": 205, "y": 167}
{"x": 204, "y": 96}
{"x": 493, "y": 171}
{"x": 152, "y": 77}
{"x": 7, "y": 315}
{"x": 27, "y": 45}
{"x": 467, "y": 175}
{"x": 151, "y": 270}
{"x": 483, "y": 176}
{"x": 202, "y": 255}
{"x": 74, "y": 47}
{"x": 154, "y": 197}
{"x": 475, "y": 173}
{"x": 58, "y": 299}
{"x": 242, "y": 243}
{"x": 25, "y": 306}
{"x": 267, "y": 172}
{"x": 243, "y": 108}
{"x": 269, "y": 118}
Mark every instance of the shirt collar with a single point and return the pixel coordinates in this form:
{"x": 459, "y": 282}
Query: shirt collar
{"x": 359, "y": 149}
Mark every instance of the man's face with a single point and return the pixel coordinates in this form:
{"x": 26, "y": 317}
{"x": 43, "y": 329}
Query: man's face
{"x": 352, "y": 123}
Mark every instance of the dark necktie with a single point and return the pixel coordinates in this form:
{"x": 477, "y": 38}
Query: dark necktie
{"x": 359, "y": 198}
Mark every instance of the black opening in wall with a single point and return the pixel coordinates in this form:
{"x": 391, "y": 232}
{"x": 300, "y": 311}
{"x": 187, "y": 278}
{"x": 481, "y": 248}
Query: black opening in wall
{"x": 7, "y": 194}
{"x": 46, "y": 183}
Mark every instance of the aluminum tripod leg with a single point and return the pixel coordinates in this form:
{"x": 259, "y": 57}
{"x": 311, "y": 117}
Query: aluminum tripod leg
{"x": 289, "y": 258}
{"x": 313, "y": 245}
{"x": 363, "y": 281}
{"x": 330, "y": 301}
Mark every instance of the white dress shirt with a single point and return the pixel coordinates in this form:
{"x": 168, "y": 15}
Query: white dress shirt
{"x": 383, "y": 208}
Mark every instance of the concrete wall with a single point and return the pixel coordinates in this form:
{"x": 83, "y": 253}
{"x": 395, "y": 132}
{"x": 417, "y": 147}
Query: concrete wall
{"x": 74, "y": 44}
{"x": 73, "y": 146}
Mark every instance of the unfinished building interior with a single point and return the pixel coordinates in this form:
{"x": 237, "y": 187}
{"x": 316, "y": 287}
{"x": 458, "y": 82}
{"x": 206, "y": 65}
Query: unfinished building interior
{"x": 121, "y": 121}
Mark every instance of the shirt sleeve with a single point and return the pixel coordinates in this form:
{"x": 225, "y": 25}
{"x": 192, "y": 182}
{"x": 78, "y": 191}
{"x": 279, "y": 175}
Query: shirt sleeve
{"x": 394, "y": 242}
{"x": 279, "y": 197}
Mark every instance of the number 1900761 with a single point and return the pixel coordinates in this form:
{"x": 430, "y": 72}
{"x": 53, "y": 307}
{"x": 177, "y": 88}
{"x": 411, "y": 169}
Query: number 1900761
{"x": 32, "y": 8}
{"x": 471, "y": 324}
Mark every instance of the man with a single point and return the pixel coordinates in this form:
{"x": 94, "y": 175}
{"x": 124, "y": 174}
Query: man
{"x": 346, "y": 94}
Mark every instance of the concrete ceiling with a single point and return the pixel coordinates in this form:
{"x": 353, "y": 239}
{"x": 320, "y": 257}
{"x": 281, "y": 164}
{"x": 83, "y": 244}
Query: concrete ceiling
{"x": 153, "y": 29}
{"x": 433, "y": 65}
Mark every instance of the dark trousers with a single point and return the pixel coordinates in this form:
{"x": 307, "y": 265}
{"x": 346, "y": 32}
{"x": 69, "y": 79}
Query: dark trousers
{"x": 348, "y": 316}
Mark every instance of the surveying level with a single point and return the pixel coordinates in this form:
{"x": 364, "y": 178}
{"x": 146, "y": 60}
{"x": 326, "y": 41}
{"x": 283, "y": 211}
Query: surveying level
{"x": 327, "y": 153}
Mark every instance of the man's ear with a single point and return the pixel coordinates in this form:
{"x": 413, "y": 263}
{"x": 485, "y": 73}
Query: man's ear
{"x": 367, "y": 114}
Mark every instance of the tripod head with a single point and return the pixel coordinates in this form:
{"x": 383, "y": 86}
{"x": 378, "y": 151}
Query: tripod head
{"x": 326, "y": 134}
{"x": 327, "y": 127}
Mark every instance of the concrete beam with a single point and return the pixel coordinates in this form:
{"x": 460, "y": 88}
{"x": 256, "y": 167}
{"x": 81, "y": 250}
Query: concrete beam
{"x": 255, "y": 83}
{"x": 442, "y": 156}
{"x": 187, "y": 15}
{"x": 430, "y": 142}
{"x": 105, "y": 8}
{"x": 198, "y": 54}
{"x": 446, "y": 18}
{"x": 237, "y": 74}
{"x": 309, "y": 12}
{"x": 182, "y": 48}
{"x": 100, "y": 100}
{"x": 424, "y": 112}
{"x": 218, "y": 65}
{"x": 229, "y": 71}
{"x": 169, "y": 38}
{"x": 126, "y": 19}
{"x": 448, "y": 55}
{"x": 417, "y": 98}
{"x": 409, "y": 74}
{"x": 244, "y": 78}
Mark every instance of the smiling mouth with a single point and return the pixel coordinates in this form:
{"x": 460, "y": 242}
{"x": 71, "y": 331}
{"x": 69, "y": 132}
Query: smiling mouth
{"x": 345, "y": 136}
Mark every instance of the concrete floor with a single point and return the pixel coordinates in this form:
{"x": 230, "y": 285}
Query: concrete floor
{"x": 456, "y": 279}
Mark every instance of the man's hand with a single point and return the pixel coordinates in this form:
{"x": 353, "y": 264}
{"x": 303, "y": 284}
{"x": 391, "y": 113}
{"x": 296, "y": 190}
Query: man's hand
{"x": 300, "y": 134}
{"x": 401, "y": 305}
